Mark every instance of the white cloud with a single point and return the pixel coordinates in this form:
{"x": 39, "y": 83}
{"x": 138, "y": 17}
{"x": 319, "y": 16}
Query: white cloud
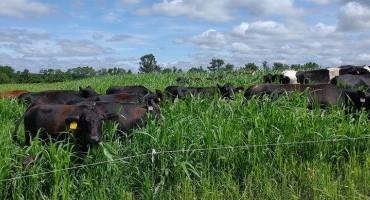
{"x": 221, "y": 10}
{"x": 22, "y": 8}
{"x": 239, "y": 47}
{"x": 259, "y": 27}
{"x": 114, "y": 16}
{"x": 123, "y": 37}
{"x": 81, "y": 48}
{"x": 241, "y": 30}
{"x": 210, "y": 39}
{"x": 130, "y": 1}
{"x": 364, "y": 57}
{"x": 354, "y": 16}
{"x": 323, "y": 29}
{"x": 320, "y": 2}
{"x": 256, "y": 41}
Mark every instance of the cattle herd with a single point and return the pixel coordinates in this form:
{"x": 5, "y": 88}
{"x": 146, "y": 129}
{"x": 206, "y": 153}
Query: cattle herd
{"x": 57, "y": 114}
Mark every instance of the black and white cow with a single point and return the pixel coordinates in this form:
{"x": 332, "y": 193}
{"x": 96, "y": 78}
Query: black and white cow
{"x": 320, "y": 76}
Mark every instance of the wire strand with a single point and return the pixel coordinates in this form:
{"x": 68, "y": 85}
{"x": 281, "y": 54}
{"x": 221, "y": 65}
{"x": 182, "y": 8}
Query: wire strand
{"x": 154, "y": 152}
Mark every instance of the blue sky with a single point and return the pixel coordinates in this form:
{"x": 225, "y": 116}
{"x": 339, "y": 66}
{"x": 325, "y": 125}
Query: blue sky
{"x": 37, "y": 34}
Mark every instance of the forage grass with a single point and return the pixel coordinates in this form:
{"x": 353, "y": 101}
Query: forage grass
{"x": 327, "y": 170}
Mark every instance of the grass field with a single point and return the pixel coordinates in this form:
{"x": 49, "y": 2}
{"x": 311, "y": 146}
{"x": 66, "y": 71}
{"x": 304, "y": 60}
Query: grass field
{"x": 323, "y": 170}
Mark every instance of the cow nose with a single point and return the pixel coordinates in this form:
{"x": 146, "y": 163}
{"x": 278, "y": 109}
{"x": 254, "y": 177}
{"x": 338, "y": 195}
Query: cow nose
{"x": 94, "y": 139}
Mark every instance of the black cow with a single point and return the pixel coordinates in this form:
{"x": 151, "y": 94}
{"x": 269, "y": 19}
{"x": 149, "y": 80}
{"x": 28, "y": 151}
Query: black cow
{"x": 55, "y": 121}
{"x": 355, "y": 82}
{"x": 270, "y": 78}
{"x": 226, "y": 91}
{"x": 138, "y": 90}
{"x": 57, "y": 96}
{"x": 129, "y": 115}
{"x": 133, "y": 89}
{"x": 322, "y": 94}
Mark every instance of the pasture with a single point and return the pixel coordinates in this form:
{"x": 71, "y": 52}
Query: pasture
{"x": 292, "y": 154}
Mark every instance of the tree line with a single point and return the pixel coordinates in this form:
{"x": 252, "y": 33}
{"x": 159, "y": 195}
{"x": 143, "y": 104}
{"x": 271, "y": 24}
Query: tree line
{"x": 9, "y": 75}
{"x": 147, "y": 64}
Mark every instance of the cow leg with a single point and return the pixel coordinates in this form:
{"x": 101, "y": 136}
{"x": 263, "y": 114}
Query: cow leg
{"x": 27, "y": 138}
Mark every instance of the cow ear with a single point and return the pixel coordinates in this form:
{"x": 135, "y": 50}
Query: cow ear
{"x": 362, "y": 96}
{"x": 72, "y": 122}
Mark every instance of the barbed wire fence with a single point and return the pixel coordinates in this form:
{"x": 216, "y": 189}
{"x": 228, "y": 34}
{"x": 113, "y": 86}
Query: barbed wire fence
{"x": 154, "y": 153}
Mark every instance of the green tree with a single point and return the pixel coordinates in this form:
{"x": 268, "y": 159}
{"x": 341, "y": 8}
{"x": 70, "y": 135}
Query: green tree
{"x": 148, "y": 64}
{"x": 229, "y": 67}
{"x": 25, "y": 76}
{"x": 311, "y": 66}
{"x": 250, "y": 67}
{"x": 196, "y": 69}
{"x": 296, "y": 67}
{"x": 81, "y": 72}
{"x": 4, "y": 78}
{"x": 166, "y": 70}
{"x": 8, "y": 70}
{"x": 265, "y": 65}
{"x": 280, "y": 66}
{"x": 216, "y": 64}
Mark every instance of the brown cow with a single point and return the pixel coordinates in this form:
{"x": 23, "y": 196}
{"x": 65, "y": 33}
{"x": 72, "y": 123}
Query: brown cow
{"x": 12, "y": 94}
{"x": 54, "y": 121}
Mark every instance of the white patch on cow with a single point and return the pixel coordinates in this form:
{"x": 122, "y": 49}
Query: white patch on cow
{"x": 367, "y": 67}
{"x": 291, "y": 74}
{"x": 362, "y": 100}
{"x": 150, "y": 108}
{"x": 333, "y": 72}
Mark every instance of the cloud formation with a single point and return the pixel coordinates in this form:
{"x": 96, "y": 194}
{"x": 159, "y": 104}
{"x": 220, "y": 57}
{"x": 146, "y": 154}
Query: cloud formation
{"x": 221, "y": 10}
{"x": 23, "y": 8}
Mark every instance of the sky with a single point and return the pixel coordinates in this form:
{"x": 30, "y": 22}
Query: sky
{"x": 36, "y": 34}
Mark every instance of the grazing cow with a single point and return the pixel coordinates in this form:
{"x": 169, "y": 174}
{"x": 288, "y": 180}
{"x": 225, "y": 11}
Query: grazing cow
{"x": 320, "y": 76}
{"x": 129, "y": 115}
{"x": 119, "y": 98}
{"x": 326, "y": 75}
{"x": 355, "y": 82}
{"x": 138, "y": 90}
{"x": 270, "y": 78}
{"x": 322, "y": 94}
{"x": 14, "y": 94}
{"x": 55, "y": 121}
{"x": 57, "y": 96}
{"x": 133, "y": 89}
{"x": 226, "y": 91}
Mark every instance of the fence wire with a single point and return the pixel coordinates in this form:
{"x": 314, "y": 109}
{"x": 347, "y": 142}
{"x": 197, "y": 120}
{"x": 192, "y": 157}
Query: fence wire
{"x": 154, "y": 153}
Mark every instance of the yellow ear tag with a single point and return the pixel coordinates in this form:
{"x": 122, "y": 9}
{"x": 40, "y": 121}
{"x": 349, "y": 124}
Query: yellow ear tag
{"x": 73, "y": 125}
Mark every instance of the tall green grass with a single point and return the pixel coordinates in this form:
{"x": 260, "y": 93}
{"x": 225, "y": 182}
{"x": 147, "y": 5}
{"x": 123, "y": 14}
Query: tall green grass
{"x": 327, "y": 170}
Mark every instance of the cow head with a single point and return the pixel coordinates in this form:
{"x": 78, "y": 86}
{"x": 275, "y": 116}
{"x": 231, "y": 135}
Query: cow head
{"x": 85, "y": 123}
{"x": 159, "y": 95}
{"x": 227, "y": 91}
{"x": 270, "y": 78}
{"x": 284, "y": 79}
{"x": 359, "y": 99}
{"x": 151, "y": 101}
{"x": 354, "y": 70}
{"x": 302, "y": 79}
{"x": 87, "y": 92}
